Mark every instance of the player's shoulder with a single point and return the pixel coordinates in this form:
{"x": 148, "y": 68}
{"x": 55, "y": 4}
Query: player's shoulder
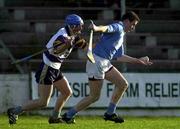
{"x": 61, "y": 34}
{"x": 62, "y": 31}
{"x": 116, "y": 26}
{"x": 117, "y": 23}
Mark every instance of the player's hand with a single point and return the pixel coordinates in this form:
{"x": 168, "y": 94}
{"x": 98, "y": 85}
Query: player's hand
{"x": 61, "y": 44}
{"x": 80, "y": 42}
{"x": 92, "y": 26}
{"x": 145, "y": 61}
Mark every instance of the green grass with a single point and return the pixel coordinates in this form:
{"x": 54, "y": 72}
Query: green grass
{"x": 89, "y": 122}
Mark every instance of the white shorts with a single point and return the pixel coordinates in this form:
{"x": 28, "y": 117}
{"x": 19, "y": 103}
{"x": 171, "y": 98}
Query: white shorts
{"x": 98, "y": 69}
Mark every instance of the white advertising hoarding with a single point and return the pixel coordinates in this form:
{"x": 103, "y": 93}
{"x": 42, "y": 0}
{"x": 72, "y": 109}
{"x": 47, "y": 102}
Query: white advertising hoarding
{"x": 145, "y": 90}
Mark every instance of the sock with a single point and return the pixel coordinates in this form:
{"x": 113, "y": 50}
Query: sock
{"x": 111, "y": 109}
{"x": 17, "y": 110}
{"x": 55, "y": 114}
{"x": 71, "y": 113}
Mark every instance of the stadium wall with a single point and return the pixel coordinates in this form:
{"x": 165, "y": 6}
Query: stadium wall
{"x": 14, "y": 90}
{"x": 149, "y": 94}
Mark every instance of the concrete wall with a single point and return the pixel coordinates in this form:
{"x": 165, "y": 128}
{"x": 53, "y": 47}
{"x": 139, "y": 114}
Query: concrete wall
{"x": 14, "y": 90}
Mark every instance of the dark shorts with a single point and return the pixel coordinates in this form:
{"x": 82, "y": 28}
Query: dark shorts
{"x": 47, "y": 75}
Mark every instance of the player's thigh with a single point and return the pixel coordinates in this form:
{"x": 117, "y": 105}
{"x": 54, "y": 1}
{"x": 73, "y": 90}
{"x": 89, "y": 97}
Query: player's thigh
{"x": 115, "y": 77}
{"x": 63, "y": 86}
{"x": 45, "y": 91}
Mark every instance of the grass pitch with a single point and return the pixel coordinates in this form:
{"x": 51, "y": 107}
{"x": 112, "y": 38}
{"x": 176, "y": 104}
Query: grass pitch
{"x": 93, "y": 122}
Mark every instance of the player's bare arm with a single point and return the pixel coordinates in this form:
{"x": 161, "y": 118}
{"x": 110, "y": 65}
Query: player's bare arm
{"x": 143, "y": 60}
{"x": 99, "y": 28}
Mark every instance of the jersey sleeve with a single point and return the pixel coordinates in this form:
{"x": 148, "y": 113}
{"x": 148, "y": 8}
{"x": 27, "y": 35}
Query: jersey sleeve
{"x": 115, "y": 27}
{"x": 59, "y": 41}
{"x": 60, "y": 45}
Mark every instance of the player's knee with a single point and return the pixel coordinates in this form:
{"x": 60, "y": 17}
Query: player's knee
{"x": 123, "y": 85}
{"x": 70, "y": 93}
{"x": 95, "y": 98}
{"x": 67, "y": 94}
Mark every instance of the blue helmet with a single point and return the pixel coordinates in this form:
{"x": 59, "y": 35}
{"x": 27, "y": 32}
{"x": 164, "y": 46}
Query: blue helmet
{"x": 73, "y": 19}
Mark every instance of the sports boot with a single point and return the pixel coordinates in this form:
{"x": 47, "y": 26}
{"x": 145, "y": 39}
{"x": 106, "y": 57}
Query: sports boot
{"x": 55, "y": 120}
{"x": 12, "y": 117}
{"x": 114, "y": 117}
{"x": 68, "y": 120}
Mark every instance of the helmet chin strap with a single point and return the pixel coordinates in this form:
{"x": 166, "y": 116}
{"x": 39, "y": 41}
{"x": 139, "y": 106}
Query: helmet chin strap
{"x": 72, "y": 34}
{"x": 71, "y": 30}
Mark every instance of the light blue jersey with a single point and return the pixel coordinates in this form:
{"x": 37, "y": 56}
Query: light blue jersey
{"x": 111, "y": 43}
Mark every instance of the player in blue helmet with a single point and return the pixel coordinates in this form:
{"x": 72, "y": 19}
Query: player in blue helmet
{"x": 75, "y": 23}
{"x": 49, "y": 75}
{"x": 74, "y": 19}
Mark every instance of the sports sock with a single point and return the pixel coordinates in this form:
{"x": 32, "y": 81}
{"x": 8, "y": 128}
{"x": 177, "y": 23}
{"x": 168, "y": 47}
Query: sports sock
{"x": 71, "y": 113}
{"x": 55, "y": 114}
{"x": 17, "y": 110}
{"x": 111, "y": 109}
